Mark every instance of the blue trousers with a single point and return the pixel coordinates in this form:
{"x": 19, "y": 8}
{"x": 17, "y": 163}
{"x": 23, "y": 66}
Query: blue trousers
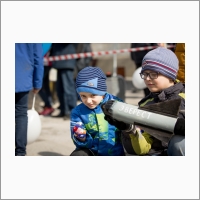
{"x": 176, "y": 146}
{"x": 21, "y": 123}
{"x": 66, "y": 90}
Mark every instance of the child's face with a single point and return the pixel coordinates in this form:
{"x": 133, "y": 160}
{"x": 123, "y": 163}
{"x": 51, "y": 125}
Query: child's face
{"x": 90, "y": 100}
{"x": 158, "y": 84}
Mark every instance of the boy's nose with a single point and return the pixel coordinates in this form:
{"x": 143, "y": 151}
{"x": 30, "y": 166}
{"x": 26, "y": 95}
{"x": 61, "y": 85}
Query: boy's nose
{"x": 89, "y": 100}
{"x": 148, "y": 78}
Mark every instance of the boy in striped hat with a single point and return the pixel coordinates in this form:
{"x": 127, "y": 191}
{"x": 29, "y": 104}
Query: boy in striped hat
{"x": 159, "y": 71}
{"x": 97, "y": 136}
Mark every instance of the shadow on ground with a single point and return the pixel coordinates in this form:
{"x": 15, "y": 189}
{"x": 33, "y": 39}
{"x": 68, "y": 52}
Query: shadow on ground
{"x": 47, "y": 153}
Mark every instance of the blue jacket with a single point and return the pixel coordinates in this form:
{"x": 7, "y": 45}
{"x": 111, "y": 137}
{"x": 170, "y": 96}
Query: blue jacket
{"x": 101, "y": 137}
{"x": 29, "y": 67}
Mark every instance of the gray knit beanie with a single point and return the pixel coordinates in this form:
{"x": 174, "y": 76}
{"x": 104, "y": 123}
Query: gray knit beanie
{"x": 161, "y": 60}
{"x": 92, "y": 80}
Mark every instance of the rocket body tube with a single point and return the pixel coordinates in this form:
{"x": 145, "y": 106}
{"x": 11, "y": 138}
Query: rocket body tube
{"x": 132, "y": 114}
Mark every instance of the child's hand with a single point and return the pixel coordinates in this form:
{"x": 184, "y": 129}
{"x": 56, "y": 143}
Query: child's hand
{"x": 137, "y": 131}
{"x": 81, "y": 139}
{"x": 79, "y": 132}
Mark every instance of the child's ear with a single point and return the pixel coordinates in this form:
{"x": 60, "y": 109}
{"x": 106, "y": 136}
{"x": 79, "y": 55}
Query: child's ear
{"x": 102, "y": 99}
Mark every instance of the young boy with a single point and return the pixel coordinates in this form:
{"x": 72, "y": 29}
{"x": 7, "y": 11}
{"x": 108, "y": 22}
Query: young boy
{"x": 159, "y": 71}
{"x": 90, "y": 132}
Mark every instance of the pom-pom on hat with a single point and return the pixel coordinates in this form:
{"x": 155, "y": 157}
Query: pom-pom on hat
{"x": 161, "y": 60}
{"x": 92, "y": 80}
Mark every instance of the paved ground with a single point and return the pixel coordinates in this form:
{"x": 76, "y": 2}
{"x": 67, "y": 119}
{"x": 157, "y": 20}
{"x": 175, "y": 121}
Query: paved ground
{"x": 55, "y": 139}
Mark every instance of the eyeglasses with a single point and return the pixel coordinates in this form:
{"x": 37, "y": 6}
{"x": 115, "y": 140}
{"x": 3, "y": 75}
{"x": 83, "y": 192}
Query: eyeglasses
{"x": 152, "y": 75}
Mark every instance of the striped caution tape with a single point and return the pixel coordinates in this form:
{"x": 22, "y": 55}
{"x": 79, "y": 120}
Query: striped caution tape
{"x": 100, "y": 53}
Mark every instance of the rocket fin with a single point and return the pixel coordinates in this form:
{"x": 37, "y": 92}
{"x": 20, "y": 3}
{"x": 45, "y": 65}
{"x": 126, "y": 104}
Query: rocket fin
{"x": 168, "y": 108}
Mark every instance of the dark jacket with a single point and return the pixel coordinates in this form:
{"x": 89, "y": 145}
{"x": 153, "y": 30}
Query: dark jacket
{"x": 83, "y": 62}
{"x": 137, "y": 56}
{"x": 170, "y": 93}
{"x": 147, "y": 144}
{"x": 59, "y": 49}
{"x": 29, "y": 67}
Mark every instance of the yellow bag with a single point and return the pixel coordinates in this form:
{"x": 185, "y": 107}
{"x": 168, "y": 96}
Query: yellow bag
{"x": 180, "y": 53}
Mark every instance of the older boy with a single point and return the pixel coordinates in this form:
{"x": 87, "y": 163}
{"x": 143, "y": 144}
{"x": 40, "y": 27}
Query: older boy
{"x": 159, "y": 71}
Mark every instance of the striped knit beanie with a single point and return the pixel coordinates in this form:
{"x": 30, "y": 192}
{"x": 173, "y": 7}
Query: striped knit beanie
{"x": 92, "y": 80}
{"x": 161, "y": 60}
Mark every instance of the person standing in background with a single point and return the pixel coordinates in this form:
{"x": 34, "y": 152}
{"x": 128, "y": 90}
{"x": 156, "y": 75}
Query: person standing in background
{"x": 180, "y": 53}
{"x": 82, "y": 62}
{"x": 86, "y": 61}
{"x": 45, "y": 92}
{"x": 65, "y": 78}
{"x": 29, "y": 71}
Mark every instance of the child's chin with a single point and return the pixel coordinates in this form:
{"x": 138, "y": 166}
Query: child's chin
{"x": 91, "y": 107}
{"x": 154, "y": 90}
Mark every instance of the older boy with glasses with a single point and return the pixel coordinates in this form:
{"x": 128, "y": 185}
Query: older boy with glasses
{"x": 159, "y": 71}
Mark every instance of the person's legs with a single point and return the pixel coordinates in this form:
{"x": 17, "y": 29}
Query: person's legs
{"x": 21, "y": 123}
{"x": 45, "y": 92}
{"x": 69, "y": 95}
{"x": 82, "y": 152}
{"x": 176, "y": 146}
{"x": 59, "y": 88}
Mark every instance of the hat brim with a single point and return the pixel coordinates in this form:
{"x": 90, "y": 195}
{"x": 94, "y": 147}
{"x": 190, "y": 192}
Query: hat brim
{"x": 90, "y": 90}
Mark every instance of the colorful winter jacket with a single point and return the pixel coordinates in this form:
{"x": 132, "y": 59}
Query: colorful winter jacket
{"x": 143, "y": 143}
{"x": 101, "y": 137}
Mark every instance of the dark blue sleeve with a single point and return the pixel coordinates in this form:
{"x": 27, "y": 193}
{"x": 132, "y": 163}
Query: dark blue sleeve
{"x": 38, "y": 65}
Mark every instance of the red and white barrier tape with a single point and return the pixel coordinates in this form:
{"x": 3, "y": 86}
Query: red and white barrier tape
{"x": 100, "y": 53}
